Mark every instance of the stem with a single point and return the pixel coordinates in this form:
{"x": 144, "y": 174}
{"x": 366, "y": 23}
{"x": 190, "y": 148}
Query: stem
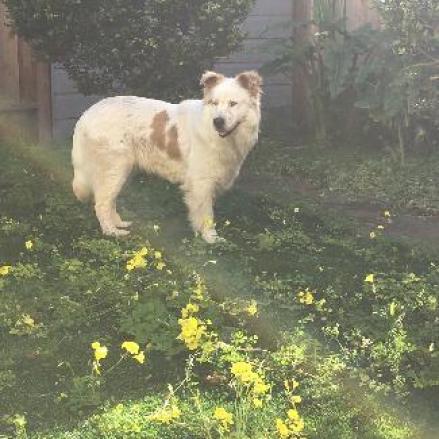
{"x": 115, "y": 365}
{"x": 401, "y": 143}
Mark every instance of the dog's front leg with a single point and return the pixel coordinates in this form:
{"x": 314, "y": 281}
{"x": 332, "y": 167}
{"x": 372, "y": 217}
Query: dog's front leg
{"x": 199, "y": 199}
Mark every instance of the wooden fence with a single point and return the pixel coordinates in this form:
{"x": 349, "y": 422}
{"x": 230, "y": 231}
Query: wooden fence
{"x": 25, "y": 94}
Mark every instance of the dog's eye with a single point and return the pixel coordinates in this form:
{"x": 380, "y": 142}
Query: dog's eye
{"x": 211, "y": 102}
{"x": 233, "y": 103}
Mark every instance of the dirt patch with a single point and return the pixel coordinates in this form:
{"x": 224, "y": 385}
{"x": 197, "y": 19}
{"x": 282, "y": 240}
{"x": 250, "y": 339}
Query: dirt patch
{"x": 423, "y": 229}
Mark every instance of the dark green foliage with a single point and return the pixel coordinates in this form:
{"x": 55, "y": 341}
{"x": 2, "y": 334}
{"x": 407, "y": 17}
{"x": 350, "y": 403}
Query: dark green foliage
{"x": 148, "y": 47}
{"x": 390, "y": 75}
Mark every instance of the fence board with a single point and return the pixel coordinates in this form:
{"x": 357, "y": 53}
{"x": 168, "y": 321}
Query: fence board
{"x": 9, "y": 66}
{"x": 266, "y": 27}
{"x": 282, "y": 8}
{"x": 360, "y": 12}
{"x": 27, "y": 73}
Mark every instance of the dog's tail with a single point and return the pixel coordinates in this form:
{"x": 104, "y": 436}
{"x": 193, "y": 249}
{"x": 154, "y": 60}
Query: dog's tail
{"x": 81, "y": 186}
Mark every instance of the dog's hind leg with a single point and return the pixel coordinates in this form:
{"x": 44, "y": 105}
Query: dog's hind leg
{"x": 107, "y": 188}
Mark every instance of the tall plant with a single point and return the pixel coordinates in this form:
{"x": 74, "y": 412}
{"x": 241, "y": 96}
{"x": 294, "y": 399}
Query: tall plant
{"x": 390, "y": 75}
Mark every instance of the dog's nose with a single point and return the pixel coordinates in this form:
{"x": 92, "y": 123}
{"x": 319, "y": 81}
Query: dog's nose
{"x": 219, "y": 123}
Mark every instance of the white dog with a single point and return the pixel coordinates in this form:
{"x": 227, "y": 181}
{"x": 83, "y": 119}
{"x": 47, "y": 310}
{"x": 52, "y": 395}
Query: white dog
{"x": 199, "y": 144}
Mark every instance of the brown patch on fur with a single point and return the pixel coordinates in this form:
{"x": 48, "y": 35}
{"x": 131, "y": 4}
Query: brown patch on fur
{"x": 158, "y": 126}
{"x": 172, "y": 147}
{"x": 251, "y": 81}
{"x": 210, "y": 79}
{"x": 165, "y": 141}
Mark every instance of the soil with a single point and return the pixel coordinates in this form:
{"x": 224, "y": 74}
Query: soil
{"x": 285, "y": 190}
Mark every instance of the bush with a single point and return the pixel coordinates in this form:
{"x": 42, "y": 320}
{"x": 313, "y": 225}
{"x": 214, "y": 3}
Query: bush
{"x": 147, "y": 47}
{"x": 385, "y": 78}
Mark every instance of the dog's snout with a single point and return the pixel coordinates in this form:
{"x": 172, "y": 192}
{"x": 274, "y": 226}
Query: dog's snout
{"x": 219, "y": 123}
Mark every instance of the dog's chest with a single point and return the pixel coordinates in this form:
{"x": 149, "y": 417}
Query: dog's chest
{"x": 228, "y": 162}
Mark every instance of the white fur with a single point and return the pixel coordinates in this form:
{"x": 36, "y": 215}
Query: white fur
{"x": 116, "y": 134}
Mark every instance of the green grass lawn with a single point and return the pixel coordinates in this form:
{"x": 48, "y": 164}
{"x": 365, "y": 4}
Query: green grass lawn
{"x": 297, "y": 291}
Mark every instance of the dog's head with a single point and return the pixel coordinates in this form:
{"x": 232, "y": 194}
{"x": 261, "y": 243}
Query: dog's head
{"x": 231, "y": 101}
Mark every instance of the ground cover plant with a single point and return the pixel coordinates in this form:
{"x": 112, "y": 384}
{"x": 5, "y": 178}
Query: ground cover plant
{"x": 300, "y": 325}
{"x": 361, "y": 176}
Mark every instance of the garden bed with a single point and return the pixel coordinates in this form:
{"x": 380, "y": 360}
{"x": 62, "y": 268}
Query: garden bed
{"x": 298, "y": 293}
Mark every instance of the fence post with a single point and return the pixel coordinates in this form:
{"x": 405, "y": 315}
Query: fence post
{"x": 302, "y": 16}
{"x": 44, "y": 104}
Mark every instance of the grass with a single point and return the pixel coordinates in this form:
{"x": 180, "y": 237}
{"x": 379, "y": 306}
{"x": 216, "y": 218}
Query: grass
{"x": 357, "y": 347}
{"x": 360, "y": 175}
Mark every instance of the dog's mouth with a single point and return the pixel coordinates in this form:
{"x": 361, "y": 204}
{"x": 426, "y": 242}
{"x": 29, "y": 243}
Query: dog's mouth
{"x": 226, "y": 133}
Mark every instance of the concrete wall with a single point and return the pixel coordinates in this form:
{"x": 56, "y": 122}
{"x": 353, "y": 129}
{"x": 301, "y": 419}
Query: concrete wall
{"x": 263, "y": 27}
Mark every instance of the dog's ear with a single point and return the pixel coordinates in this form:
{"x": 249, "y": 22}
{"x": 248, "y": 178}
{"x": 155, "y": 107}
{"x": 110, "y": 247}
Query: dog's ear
{"x": 210, "y": 80}
{"x": 251, "y": 81}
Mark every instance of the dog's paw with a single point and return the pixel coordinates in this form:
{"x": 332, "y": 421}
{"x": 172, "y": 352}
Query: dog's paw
{"x": 211, "y": 236}
{"x": 116, "y": 232}
{"x": 124, "y": 224}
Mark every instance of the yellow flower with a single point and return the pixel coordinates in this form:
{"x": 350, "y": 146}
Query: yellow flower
{"x": 224, "y": 417}
{"x": 293, "y": 414}
{"x": 387, "y": 214}
{"x": 372, "y": 235}
{"x": 298, "y": 426}
{"x": 369, "y": 278}
{"x": 380, "y": 227}
{"x": 140, "y": 357}
{"x": 175, "y": 412}
{"x": 296, "y": 399}
{"x": 131, "y": 346}
{"x": 160, "y": 265}
{"x": 29, "y": 244}
{"x": 28, "y": 320}
{"x": 199, "y": 291}
{"x": 4, "y": 270}
{"x": 243, "y": 371}
{"x": 252, "y": 309}
{"x": 138, "y": 260}
{"x": 143, "y": 251}
{"x": 192, "y": 330}
{"x": 260, "y": 388}
{"x": 294, "y": 385}
{"x": 190, "y": 308}
{"x": 166, "y": 415}
{"x": 158, "y": 255}
{"x": 306, "y": 297}
{"x": 257, "y": 403}
{"x": 100, "y": 352}
{"x": 282, "y": 428}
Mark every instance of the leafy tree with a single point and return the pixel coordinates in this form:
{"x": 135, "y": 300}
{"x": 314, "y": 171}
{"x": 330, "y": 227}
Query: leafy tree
{"x": 147, "y": 47}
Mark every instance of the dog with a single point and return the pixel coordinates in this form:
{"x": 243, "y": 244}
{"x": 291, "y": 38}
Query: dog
{"x": 198, "y": 144}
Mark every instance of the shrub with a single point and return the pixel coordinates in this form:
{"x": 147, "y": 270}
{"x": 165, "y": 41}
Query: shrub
{"x": 147, "y": 47}
{"x": 388, "y": 76}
